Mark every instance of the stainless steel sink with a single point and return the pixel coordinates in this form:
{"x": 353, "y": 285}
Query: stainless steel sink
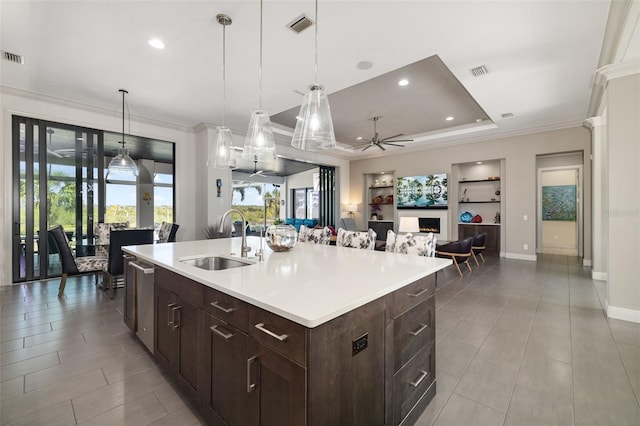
{"x": 215, "y": 263}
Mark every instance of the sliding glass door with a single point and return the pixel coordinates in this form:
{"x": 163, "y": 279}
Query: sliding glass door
{"x": 55, "y": 177}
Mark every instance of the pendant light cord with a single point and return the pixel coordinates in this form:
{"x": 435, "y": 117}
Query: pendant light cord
{"x": 123, "y": 92}
{"x": 224, "y": 73}
{"x": 316, "y": 45}
{"x": 260, "y": 90}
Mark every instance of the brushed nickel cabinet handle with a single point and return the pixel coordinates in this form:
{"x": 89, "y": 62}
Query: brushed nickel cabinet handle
{"x": 419, "y": 293}
{"x": 422, "y": 328}
{"x": 225, "y": 310}
{"x": 170, "y": 316}
{"x": 281, "y": 337}
{"x": 225, "y": 336}
{"x": 176, "y": 324}
{"x": 250, "y": 386}
{"x": 423, "y": 375}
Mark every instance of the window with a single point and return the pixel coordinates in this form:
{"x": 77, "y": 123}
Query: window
{"x": 259, "y": 202}
{"x": 306, "y": 203}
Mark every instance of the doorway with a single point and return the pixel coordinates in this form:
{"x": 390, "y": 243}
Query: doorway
{"x": 560, "y": 210}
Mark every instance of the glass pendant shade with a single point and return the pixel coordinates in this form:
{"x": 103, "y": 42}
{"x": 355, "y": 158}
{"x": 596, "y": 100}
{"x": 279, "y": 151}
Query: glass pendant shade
{"x": 224, "y": 154}
{"x": 314, "y": 128}
{"x": 259, "y": 144}
{"x": 122, "y": 164}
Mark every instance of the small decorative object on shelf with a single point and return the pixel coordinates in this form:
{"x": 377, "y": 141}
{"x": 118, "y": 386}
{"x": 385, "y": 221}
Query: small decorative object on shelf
{"x": 498, "y": 191}
{"x": 462, "y": 199}
{"x": 477, "y": 219}
{"x": 466, "y": 217}
{"x": 493, "y": 178}
{"x": 281, "y": 237}
{"x": 374, "y": 216}
{"x": 496, "y": 219}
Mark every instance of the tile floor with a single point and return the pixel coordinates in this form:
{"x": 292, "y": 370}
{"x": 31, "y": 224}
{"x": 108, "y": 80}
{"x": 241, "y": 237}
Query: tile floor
{"x": 518, "y": 343}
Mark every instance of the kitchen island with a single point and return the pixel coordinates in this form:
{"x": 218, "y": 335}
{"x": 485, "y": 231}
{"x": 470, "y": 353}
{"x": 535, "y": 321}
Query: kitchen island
{"x": 319, "y": 335}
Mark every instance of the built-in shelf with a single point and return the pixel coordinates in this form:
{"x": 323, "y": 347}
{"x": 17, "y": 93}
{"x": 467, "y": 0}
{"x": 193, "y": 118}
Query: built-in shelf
{"x": 479, "y": 180}
{"x": 478, "y": 202}
{"x": 381, "y": 220}
{"x": 381, "y": 187}
{"x": 378, "y": 204}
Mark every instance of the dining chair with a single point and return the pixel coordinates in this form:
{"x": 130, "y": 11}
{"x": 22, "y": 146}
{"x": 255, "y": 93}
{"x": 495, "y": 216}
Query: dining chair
{"x": 421, "y": 245}
{"x": 315, "y": 235}
{"x": 478, "y": 246}
{"x": 356, "y": 239}
{"x": 458, "y": 251}
{"x": 114, "y": 268}
{"x": 72, "y": 265}
{"x": 167, "y": 232}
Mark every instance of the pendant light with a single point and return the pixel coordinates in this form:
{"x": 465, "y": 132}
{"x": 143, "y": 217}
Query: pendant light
{"x": 314, "y": 126}
{"x": 224, "y": 154}
{"x": 260, "y": 142}
{"x": 122, "y": 163}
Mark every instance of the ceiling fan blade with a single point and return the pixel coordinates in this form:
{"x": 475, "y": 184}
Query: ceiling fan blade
{"x": 393, "y": 144}
{"x": 367, "y": 147}
{"x": 380, "y": 146}
{"x": 398, "y": 140}
{"x": 391, "y": 137}
{"x": 54, "y": 153}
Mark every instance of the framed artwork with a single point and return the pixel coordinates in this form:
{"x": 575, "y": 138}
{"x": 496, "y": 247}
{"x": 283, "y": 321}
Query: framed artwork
{"x": 559, "y": 203}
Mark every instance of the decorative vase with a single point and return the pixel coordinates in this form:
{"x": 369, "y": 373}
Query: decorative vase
{"x": 281, "y": 237}
{"x": 466, "y": 217}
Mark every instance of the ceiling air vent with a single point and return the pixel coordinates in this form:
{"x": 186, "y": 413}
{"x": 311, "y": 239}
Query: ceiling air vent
{"x": 300, "y": 24}
{"x": 507, "y": 115}
{"x": 12, "y": 57}
{"x": 478, "y": 71}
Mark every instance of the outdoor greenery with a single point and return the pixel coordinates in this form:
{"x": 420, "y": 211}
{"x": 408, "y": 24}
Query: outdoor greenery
{"x": 256, "y": 214}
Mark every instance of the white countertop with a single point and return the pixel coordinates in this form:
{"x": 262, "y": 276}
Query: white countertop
{"x": 310, "y": 284}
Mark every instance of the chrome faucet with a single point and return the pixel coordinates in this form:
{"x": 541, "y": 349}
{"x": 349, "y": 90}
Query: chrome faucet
{"x": 245, "y": 248}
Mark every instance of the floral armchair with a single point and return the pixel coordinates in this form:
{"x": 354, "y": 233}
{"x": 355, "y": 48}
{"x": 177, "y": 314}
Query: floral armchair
{"x": 315, "y": 235}
{"x": 421, "y": 245}
{"x": 356, "y": 239}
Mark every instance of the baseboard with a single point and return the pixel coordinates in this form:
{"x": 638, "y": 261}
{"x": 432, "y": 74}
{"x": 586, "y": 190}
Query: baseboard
{"x": 519, "y": 256}
{"x": 586, "y": 262}
{"x": 623, "y": 314}
{"x": 600, "y": 276}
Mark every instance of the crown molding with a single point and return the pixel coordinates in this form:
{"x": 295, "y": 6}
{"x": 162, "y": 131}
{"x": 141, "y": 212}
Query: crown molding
{"x": 614, "y": 71}
{"x": 13, "y": 91}
{"x": 593, "y": 122}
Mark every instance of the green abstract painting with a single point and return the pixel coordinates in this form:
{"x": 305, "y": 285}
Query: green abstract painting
{"x": 559, "y": 203}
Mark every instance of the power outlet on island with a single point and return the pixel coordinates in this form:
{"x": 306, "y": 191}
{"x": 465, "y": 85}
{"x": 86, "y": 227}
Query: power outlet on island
{"x": 359, "y": 344}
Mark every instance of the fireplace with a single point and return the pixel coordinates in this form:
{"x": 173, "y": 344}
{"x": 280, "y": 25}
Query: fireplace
{"x": 429, "y": 224}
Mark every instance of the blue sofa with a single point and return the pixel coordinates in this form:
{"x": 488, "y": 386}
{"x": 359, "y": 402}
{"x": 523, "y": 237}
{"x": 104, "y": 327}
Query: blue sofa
{"x": 309, "y": 223}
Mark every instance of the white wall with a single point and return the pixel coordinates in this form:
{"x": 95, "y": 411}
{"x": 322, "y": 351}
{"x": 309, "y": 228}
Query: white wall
{"x": 518, "y": 180}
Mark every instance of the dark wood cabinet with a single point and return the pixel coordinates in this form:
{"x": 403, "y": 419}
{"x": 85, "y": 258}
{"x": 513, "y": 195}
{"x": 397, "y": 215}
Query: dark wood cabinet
{"x": 492, "y": 243}
{"x": 225, "y": 395}
{"x": 179, "y": 316}
{"x": 277, "y": 388}
{"x": 243, "y": 365}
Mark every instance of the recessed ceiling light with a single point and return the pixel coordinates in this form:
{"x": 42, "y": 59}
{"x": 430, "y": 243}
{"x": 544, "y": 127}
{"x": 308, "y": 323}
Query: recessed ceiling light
{"x": 156, "y": 43}
{"x": 359, "y": 138}
{"x": 364, "y": 65}
{"x": 403, "y": 82}
{"x": 449, "y": 118}
{"x": 478, "y": 120}
{"x": 478, "y": 162}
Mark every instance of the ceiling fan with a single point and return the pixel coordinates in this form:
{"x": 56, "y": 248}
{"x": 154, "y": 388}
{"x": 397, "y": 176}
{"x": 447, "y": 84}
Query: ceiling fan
{"x": 376, "y": 141}
{"x": 256, "y": 172}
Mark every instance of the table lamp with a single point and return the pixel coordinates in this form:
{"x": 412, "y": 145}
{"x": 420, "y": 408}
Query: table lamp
{"x": 351, "y": 209}
{"x": 409, "y": 224}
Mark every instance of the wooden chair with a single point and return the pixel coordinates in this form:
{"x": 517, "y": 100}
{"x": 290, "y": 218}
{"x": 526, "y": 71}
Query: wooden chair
{"x": 458, "y": 251}
{"x": 73, "y": 265}
{"x": 478, "y": 246}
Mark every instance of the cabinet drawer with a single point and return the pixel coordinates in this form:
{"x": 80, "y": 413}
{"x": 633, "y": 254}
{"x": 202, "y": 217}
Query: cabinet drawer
{"x": 415, "y": 293}
{"x": 229, "y": 309}
{"x": 279, "y": 334}
{"x": 410, "y": 383}
{"x": 412, "y": 331}
{"x": 183, "y": 287}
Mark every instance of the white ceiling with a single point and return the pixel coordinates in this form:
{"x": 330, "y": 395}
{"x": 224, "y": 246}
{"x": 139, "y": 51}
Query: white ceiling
{"x": 541, "y": 55}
